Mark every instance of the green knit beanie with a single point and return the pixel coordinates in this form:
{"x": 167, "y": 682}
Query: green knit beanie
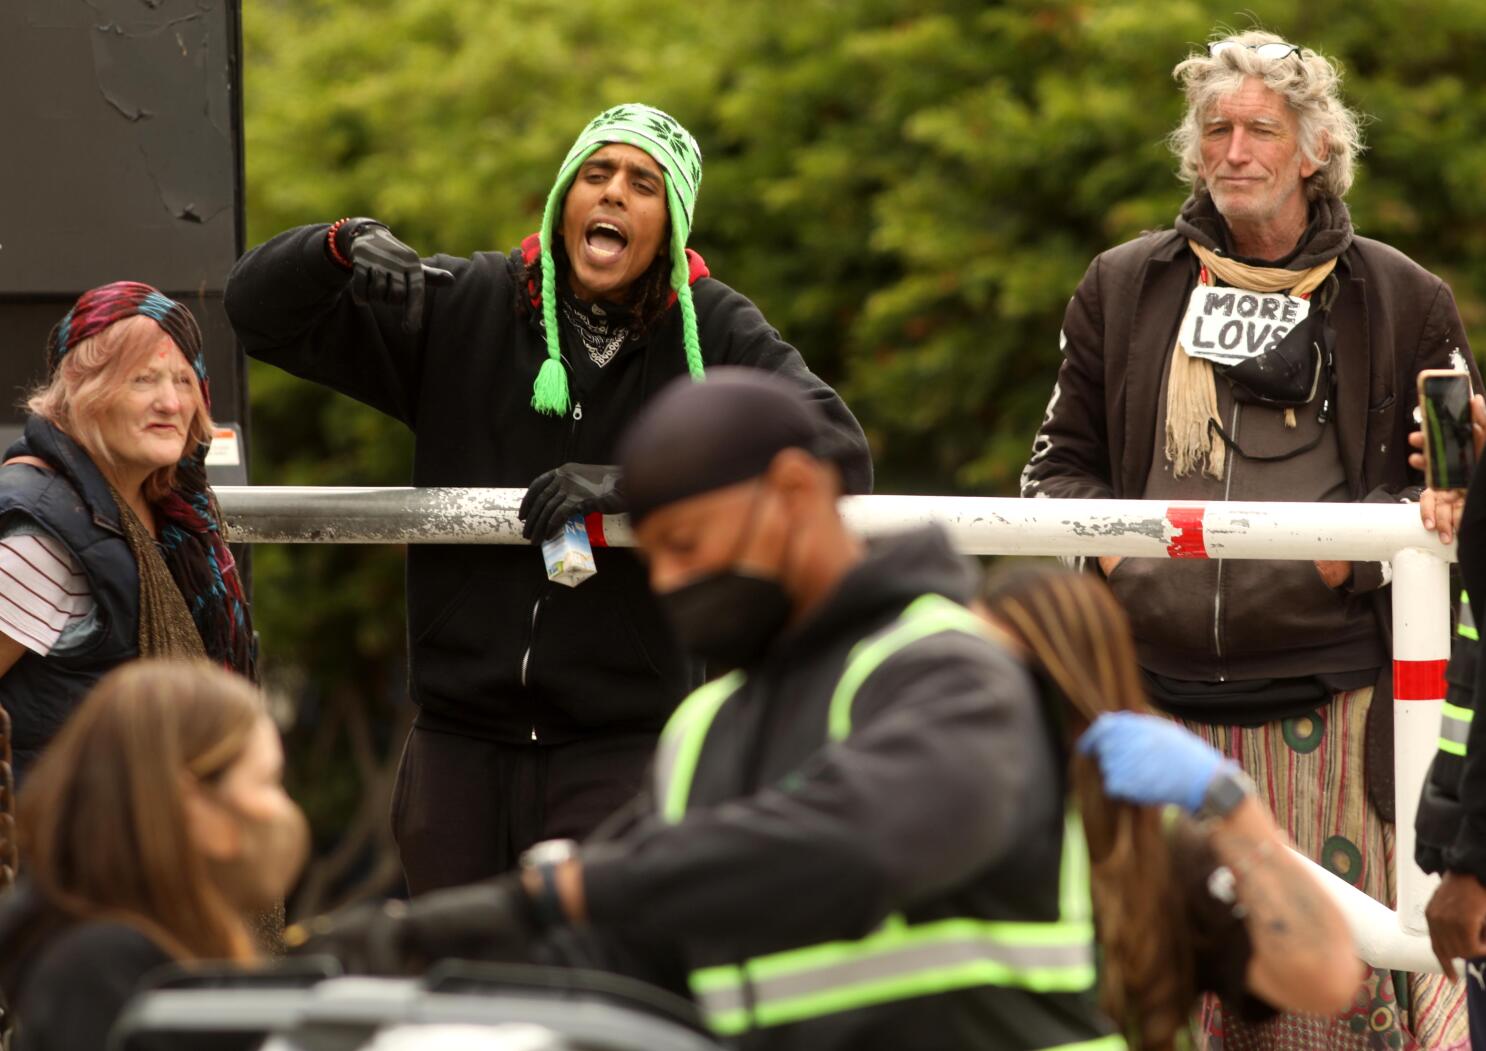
{"x": 671, "y": 146}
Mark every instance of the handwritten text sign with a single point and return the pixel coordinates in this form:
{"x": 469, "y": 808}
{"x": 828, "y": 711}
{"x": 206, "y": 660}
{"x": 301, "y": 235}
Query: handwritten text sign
{"x": 1229, "y": 325}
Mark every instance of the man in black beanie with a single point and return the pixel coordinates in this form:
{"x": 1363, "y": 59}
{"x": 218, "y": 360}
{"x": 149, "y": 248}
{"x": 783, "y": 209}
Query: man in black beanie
{"x": 855, "y": 839}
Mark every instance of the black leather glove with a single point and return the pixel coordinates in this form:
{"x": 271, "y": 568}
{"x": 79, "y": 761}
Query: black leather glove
{"x": 572, "y": 489}
{"x": 493, "y": 921}
{"x": 384, "y": 270}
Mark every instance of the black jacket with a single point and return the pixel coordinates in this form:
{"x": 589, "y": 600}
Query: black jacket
{"x": 1451, "y": 822}
{"x": 496, "y": 650}
{"x": 65, "y": 981}
{"x": 946, "y": 799}
{"x": 74, "y": 505}
{"x": 1203, "y": 619}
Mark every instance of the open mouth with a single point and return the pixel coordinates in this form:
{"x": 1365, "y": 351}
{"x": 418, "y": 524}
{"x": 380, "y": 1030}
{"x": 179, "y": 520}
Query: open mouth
{"x": 605, "y": 239}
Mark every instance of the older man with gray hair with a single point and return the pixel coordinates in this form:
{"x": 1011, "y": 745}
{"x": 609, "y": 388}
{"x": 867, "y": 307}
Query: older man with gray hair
{"x": 1260, "y": 350}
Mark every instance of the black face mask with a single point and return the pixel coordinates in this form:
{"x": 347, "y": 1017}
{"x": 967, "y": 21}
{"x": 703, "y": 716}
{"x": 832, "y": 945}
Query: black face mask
{"x": 1286, "y": 376}
{"x": 729, "y": 616}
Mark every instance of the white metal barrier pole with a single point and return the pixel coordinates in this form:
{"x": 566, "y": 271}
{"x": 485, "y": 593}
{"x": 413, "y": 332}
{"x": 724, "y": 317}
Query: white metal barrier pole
{"x": 994, "y": 526}
{"x": 1421, "y": 649}
{"x": 1380, "y": 938}
{"x": 976, "y": 525}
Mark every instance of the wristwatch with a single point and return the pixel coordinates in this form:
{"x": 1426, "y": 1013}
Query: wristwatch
{"x": 1229, "y": 787}
{"x": 549, "y": 852}
{"x": 544, "y": 858}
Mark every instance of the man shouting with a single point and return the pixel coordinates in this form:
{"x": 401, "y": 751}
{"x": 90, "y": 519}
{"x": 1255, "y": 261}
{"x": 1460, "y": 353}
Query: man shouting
{"x": 538, "y": 704}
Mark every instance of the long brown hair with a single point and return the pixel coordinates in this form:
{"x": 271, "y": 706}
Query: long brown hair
{"x": 1078, "y": 638}
{"x": 102, "y": 821}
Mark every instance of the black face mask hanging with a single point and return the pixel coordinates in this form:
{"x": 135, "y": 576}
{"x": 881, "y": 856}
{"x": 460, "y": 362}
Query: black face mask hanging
{"x": 1287, "y": 376}
{"x": 729, "y": 617}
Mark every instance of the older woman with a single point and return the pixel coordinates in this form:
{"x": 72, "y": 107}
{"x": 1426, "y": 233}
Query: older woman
{"x": 110, "y": 541}
{"x": 153, "y": 830}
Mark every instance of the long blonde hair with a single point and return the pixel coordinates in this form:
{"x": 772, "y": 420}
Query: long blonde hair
{"x": 102, "y": 817}
{"x": 1078, "y": 638}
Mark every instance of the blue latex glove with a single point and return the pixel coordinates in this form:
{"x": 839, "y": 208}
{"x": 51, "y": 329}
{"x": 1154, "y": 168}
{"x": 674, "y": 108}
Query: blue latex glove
{"x": 1148, "y": 760}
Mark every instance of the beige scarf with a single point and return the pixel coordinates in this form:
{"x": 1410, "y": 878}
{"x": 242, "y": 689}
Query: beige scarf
{"x": 1191, "y": 390}
{"x": 166, "y": 628}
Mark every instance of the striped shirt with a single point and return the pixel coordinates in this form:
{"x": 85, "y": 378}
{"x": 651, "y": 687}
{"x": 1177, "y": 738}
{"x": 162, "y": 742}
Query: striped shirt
{"x": 45, "y": 602}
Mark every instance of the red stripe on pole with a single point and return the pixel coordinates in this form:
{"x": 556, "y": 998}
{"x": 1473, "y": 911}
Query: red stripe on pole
{"x": 1419, "y": 680}
{"x": 595, "y": 526}
{"x": 1186, "y": 532}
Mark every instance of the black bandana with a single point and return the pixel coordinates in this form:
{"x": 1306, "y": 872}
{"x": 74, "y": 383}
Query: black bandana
{"x": 603, "y": 329}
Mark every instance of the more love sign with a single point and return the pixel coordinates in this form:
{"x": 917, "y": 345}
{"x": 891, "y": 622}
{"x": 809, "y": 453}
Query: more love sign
{"x": 1229, "y": 325}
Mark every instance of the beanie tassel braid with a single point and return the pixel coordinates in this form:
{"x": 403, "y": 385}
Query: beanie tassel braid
{"x": 681, "y": 285}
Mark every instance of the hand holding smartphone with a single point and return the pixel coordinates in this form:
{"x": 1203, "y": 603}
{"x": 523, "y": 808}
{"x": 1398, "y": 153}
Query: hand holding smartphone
{"x": 1445, "y": 417}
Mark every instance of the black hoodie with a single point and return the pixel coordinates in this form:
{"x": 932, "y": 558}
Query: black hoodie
{"x": 946, "y": 799}
{"x": 496, "y": 650}
{"x": 1451, "y": 821}
{"x": 67, "y": 981}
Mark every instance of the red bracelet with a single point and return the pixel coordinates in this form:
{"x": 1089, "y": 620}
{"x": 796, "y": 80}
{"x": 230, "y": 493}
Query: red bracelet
{"x": 335, "y": 253}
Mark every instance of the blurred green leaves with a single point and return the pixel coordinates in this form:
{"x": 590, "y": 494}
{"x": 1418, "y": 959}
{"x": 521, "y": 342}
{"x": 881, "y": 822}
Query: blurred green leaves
{"x": 909, "y": 190}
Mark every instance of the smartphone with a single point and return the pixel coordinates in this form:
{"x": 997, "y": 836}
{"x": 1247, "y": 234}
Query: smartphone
{"x": 1445, "y": 413}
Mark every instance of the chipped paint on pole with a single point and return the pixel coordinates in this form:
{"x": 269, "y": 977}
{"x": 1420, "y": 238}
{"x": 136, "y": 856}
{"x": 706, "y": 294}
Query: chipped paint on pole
{"x": 1383, "y": 532}
{"x": 976, "y": 525}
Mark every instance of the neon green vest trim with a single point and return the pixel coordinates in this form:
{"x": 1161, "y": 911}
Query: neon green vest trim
{"x": 1466, "y": 628}
{"x": 1455, "y": 728}
{"x": 899, "y": 960}
{"x": 925, "y": 616}
{"x": 681, "y": 742}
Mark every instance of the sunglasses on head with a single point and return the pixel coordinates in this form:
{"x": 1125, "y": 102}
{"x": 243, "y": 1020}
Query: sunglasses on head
{"x": 1271, "y": 52}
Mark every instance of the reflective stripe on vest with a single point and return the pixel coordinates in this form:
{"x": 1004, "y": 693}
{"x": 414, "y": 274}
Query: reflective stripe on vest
{"x": 1466, "y": 628}
{"x": 899, "y": 960}
{"x": 681, "y": 742}
{"x": 925, "y": 616}
{"x": 1455, "y": 727}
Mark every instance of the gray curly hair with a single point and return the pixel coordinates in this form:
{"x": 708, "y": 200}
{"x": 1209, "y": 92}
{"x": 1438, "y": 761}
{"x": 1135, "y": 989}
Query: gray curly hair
{"x": 1330, "y": 133}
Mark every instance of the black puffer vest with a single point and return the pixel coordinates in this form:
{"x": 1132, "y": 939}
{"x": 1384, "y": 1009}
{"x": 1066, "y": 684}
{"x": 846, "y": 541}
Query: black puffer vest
{"x": 73, "y": 504}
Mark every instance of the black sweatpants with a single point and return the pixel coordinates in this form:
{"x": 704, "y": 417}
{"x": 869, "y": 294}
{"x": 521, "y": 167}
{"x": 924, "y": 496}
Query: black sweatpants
{"x": 463, "y": 809}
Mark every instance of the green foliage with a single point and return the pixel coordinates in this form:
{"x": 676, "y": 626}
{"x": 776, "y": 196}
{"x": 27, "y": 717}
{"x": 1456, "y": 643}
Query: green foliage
{"x": 910, "y": 191}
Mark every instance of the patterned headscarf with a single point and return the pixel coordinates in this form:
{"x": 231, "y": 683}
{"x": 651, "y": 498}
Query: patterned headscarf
{"x": 671, "y": 146}
{"x": 191, "y": 523}
{"x": 98, "y": 308}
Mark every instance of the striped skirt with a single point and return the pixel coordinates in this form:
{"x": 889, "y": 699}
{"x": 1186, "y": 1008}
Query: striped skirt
{"x": 1310, "y": 771}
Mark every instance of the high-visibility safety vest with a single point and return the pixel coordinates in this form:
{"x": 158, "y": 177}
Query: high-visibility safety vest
{"x": 900, "y": 960}
{"x": 1455, "y": 721}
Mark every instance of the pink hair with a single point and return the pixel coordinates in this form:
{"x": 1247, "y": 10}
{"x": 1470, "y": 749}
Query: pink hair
{"x": 88, "y": 380}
